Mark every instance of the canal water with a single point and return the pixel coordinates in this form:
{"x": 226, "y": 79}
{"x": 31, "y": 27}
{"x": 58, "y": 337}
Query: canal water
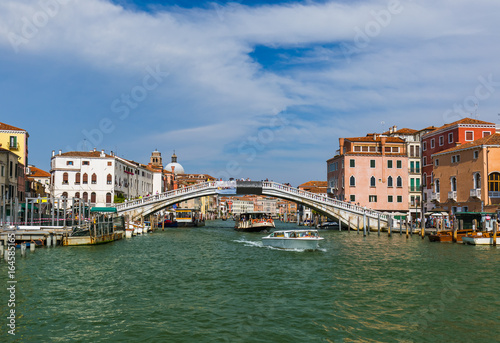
{"x": 213, "y": 284}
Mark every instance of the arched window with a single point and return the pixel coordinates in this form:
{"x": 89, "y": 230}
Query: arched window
{"x": 85, "y": 196}
{"x": 453, "y": 182}
{"x": 399, "y": 182}
{"x": 65, "y": 195}
{"x": 77, "y": 194}
{"x": 109, "y": 179}
{"x": 85, "y": 179}
{"x": 65, "y": 179}
{"x": 372, "y": 181}
{"x": 94, "y": 178}
{"x": 77, "y": 178}
{"x": 494, "y": 182}
{"x": 93, "y": 197}
{"x": 389, "y": 182}
{"x": 108, "y": 198}
{"x": 477, "y": 181}
{"x": 352, "y": 181}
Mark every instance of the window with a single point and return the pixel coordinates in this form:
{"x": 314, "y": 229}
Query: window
{"x": 417, "y": 151}
{"x": 400, "y": 198}
{"x": 437, "y": 186}
{"x": 476, "y": 154}
{"x": 65, "y": 179}
{"x": 65, "y": 195}
{"x": 372, "y": 198}
{"x": 352, "y": 181}
{"x": 357, "y": 148}
{"x": 77, "y": 194}
{"x": 399, "y": 164}
{"x": 389, "y": 198}
{"x": 412, "y": 150}
{"x": 432, "y": 143}
{"x": 69, "y": 163}
{"x": 425, "y": 160}
{"x": 453, "y": 182}
{"x": 477, "y": 181}
{"x": 13, "y": 142}
{"x": 352, "y": 163}
{"x": 3, "y": 170}
{"x": 108, "y": 198}
{"x": 455, "y": 158}
{"x": 85, "y": 179}
{"x": 353, "y": 197}
{"x": 373, "y": 149}
{"x": 494, "y": 182}
{"x": 417, "y": 167}
{"x": 450, "y": 137}
{"x": 469, "y": 135}
{"x": 372, "y": 163}
{"x": 436, "y": 162}
{"x": 441, "y": 140}
{"x": 412, "y": 167}
{"x": 110, "y": 164}
{"x": 364, "y": 148}
{"x": 109, "y": 179}
{"x": 395, "y": 149}
{"x": 77, "y": 178}
{"x": 86, "y": 163}
{"x": 372, "y": 181}
{"x": 424, "y": 146}
{"x": 486, "y": 133}
{"x": 389, "y": 181}
{"x": 412, "y": 200}
{"x": 94, "y": 179}
{"x": 93, "y": 197}
{"x": 389, "y": 164}
{"x": 399, "y": 182}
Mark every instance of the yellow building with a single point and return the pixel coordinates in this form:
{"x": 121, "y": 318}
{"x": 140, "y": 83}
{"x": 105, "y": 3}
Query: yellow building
{"x": 15, "y": 140}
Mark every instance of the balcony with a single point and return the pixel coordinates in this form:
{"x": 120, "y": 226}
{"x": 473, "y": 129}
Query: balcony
{"x": 452, "y": 195}
{"x": 475, "y": 193}
{"x": 415, "y": 170}
{"x": 435, "y": 197}
{"x": 415, "y": 188}
{"x": 494, "y": 194}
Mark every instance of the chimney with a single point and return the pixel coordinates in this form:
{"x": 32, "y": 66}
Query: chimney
{"x": 382, "y": 144}
{"x": 53, "y": 153}
{"x": 341, "y": 146}
{"x": 60, "y": 152}
{"x": 394, "y": 128}
{"x": 112, "y": 153}
{"x": 95, "y": 149}
{"x": 102, "y": 153}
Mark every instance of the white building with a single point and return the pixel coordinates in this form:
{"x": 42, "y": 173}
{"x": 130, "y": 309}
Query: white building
{"x": 98, "y": 177}
{"x": 242, "y": 206}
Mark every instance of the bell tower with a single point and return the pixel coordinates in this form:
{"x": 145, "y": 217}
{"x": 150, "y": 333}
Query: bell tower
{"x": 156, "y": 160}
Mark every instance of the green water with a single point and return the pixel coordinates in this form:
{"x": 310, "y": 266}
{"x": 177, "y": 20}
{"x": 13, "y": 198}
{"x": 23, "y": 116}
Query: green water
{"x": 213, "y": 284}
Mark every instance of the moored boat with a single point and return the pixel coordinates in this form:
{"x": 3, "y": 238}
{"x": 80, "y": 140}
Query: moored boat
{"x": 254, "y": 222}
{"x": 447, "y": 235}
{"x": 328, "y": 226}
{"x": 481, "y": 238}
{"x": 293, "y": 239}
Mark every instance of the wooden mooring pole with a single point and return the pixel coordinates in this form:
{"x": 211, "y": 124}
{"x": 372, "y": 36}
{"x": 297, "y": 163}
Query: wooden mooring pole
{"x": 495, "y": 230}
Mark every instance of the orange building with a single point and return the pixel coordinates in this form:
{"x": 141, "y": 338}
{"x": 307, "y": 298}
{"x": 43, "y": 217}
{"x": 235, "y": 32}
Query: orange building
{"x": 467, "y": 177}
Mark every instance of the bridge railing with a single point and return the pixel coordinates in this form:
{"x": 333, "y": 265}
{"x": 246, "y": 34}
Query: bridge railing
{"x": 163, "y": 196}
{"x": 324, "y": 199}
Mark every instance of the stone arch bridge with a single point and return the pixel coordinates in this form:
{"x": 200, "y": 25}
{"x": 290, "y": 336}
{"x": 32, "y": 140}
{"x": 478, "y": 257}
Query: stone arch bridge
{"x": 342, "y": 211}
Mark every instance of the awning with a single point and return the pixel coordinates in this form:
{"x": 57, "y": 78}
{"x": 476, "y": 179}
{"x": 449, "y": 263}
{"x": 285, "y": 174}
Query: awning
{"x": 103, "y": 209}
{"x": 23, "y": 206}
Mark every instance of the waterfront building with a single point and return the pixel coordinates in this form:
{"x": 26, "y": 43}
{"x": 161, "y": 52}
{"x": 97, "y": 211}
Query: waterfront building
{"x": 10, "y": 169}
{"x": 98, "y": 177}
{"x": 413, "y": 150}
{"x": 442, "y": 138}
{"x": 317, "y": 187}
{"x": 39, "y": 182}
{"x": 371, "y": 171}
{"x": 467, "y": 177}
{"x": 15, "y": 140}
{"x": 243, "y": 206}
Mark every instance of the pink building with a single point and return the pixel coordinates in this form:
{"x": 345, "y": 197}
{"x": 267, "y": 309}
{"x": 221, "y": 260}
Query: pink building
{"x": 371, "y": 171}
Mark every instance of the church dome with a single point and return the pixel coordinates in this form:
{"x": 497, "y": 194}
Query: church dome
{"x": 178, "y": 169}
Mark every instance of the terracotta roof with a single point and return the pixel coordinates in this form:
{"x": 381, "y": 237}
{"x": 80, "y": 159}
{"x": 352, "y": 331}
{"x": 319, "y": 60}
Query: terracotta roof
{"x": 83, "y": 154}
{"x": 9, "y": 127}
{"x": 465, "y": 121}
{"x": 315, "y": 184}
{"x": 403, "y": 131}
{"x": 370, "y": 139}
{"x": 493, "y": 139}
{"x": 36, "y": 172}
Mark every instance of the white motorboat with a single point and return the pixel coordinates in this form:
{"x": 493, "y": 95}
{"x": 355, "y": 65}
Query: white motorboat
{"x": 481, "y": 238}
{"x": 293, "y": 239}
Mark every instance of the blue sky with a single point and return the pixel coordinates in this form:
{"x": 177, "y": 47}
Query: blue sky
{"x": 259, "y": 89}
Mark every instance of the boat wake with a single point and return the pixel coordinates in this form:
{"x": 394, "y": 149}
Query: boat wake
{"x": 260, "y": 245}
